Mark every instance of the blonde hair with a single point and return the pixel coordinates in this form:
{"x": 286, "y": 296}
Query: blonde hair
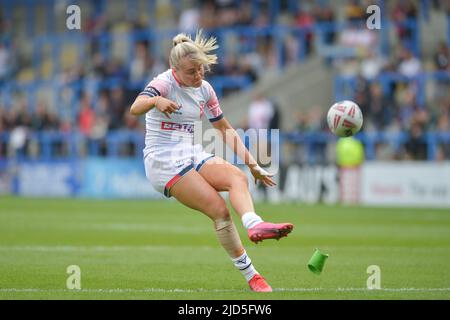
{"x": 197, "y": 50}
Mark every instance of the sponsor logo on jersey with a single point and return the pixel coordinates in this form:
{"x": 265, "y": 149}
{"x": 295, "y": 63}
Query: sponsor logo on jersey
{"x": 184, "y": 127}
{"x": 179, "y": 111}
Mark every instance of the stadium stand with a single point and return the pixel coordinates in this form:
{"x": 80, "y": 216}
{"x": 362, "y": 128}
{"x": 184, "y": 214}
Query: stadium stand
{"x": 66, "y": 93}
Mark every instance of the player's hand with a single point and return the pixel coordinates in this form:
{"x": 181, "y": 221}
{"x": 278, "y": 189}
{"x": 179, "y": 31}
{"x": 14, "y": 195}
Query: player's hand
{"x": 166, "y": 106}
{"x": 261, "y": 174}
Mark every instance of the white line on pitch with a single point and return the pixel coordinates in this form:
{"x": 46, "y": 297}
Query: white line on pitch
{"x": 149, "y": 290}
{"x": 69, "y": 248}
{"x": 94, "y": 248}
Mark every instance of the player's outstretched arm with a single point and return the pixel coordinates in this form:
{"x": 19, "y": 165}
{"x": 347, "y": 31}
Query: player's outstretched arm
{"x": 232, "y": 139}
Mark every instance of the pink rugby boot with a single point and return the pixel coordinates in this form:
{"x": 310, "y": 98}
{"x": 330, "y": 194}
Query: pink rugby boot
{"x": 259, "y": 284}
{"x": 267, "y": 230}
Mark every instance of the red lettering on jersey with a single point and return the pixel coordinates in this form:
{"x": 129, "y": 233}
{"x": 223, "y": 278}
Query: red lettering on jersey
{"x": 177, "y": 126}
{"x": 166, "y": 125}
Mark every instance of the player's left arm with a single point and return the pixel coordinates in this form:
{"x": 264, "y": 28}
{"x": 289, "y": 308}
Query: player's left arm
{"x": 232, "y": 139}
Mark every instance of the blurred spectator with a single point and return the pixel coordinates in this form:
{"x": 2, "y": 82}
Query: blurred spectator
{"x": 410, "y": 66}
{"x": 441, "y": 60}
{"x": 324, "y": 14}
{"x": 18, "y": 141}
{"x": 441, "y": 57}
{"x": 260, "y": 112}
{"x": 131, "y": 122}
{"x": 98, "y": 68}
{"x": 311, "y": 122}
{"x": 189, "y": 20}
{"x": 54, "y": 123}
{"x": 38, "y": 118}
{"x": 3, "y": 126}
{"x": 101, "y": 124}
{"x": 42, "y": 120}
{"x": 354, "y": 11}
{"x": 317, "y": 124}
{"x": 385, "y": 151}
{"x": 305, "y": 20}
{"x": 4, "y": 63}
{"x": 404, "y": 16}
{"x": 443, "y": 123}
{"x": 416, "y": 147}
{"x": 86, "y": 118}
{"x": 276, "y": 120}
{"x": 245, "y": 13}
{"x": 115, "y": 69}
{"x": 372, "y": 66}
{"x": 262, "y": 20}
{"x": 443, "y": 126}
{"x": 20, "y": 115}
{"x": 291, "y": 49}
{"x": 358, "y": 37}
{"x": 208, "y": 18}
{"x": 406, "y": 108}
{"x": 103, "y": 113}
{"x": 226, "y": 12}
{"x": 362, "y": 93}
{"x": 229, "y": 66}
{"x": 3, "y": 143}
{"x": 379, "y": 108}
{"x": 141, "y": 64}
{"x": 117, "y": 108}
{"x": 253, "y": 65}
{"x": 301, "y": 122}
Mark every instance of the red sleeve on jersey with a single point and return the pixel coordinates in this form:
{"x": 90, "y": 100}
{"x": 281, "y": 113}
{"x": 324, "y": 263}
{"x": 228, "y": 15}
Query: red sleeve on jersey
{"x": 213, "y": 105}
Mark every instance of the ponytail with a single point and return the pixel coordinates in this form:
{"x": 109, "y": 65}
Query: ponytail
{"x": 198, "y": 49}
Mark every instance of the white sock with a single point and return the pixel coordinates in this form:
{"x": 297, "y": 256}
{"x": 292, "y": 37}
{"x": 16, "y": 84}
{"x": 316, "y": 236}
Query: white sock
{"x": 245, "y": 266}
{"x": 250, "y": 219}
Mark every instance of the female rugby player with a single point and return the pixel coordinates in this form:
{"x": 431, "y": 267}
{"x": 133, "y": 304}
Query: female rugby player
{"x": 177, "y": 167}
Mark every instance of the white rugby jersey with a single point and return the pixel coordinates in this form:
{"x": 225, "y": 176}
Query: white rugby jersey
{"x": 194, "y": 103}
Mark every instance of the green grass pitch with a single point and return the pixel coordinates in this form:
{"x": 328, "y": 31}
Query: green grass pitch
{"x": 162, "y": 250}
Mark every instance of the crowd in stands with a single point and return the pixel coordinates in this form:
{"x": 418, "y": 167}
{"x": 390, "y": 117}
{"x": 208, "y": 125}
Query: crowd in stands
{"x": 94, "y": 113}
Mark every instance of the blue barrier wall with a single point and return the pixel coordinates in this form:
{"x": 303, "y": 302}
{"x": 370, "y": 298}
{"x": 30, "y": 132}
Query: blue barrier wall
{"x": 86, "y": 178}
{"x": 115, "y": 178}
{"x": 116, "y": 141}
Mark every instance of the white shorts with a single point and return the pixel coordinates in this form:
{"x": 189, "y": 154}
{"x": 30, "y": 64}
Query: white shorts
{"x": 165, "y": 166}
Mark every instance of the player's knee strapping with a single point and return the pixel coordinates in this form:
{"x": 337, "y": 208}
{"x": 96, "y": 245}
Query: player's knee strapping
{"x": 229, "y": 237}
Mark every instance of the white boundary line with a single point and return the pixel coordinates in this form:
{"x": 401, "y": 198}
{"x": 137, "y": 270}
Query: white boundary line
{"x": 69, "y": 248}
{"x": 201, "y": 290}
{"x": 96, "y": 248}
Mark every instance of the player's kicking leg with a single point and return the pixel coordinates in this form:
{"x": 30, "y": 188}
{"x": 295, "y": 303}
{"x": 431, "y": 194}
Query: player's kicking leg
{"x": 193, "y": 191}
{"x": 225, "y": 177}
